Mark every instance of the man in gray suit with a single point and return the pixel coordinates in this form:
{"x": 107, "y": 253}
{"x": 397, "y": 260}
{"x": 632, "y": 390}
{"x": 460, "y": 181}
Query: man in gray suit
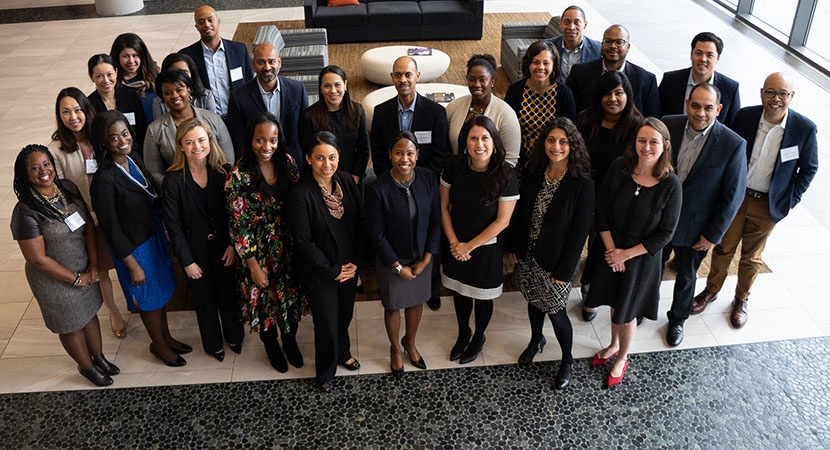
{"x": 573, "y": 46}
{"x": 711, "y": 163}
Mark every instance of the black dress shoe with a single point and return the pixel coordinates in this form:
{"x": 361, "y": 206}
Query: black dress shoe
{"x": 563, "y": 377}
{"x": 354, "y": 365}
{"x": 272, "y": 349}
{"x": 100, "y": 361}
{"x": 675, "y": 334}
{"x": 434, "y": 303}
{"x": 236, "y": 348}
{"x": 96, "y": 376}
{"x": 461, "y": 344}
{"x": 588, "y": 315}
{"x": 420, "y": 364}
{"x": 178, "y": 362}
{"x": 397, "y": 374}
{"x": 220, "y": 355}
{"x": 324, "y": 386}
{"x": 473, "y": 350}
{"x": 292, "y": 351}
{"x": 530, "y": 352}
{"x": 183, "y": 350}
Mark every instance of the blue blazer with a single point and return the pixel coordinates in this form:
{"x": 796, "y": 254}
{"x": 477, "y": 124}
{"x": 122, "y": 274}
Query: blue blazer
{"x": 791, "y": 178}
{"x": 591, "y": 50}
{"x": 673, "y": 94}
{"x": 390, "y": 230}
{"x": 715, "y": 187}
{"x": 428, "y": 116}
{"x": 584, "y": 77}
{"x": 236, "y": 53}
{"x": 247, "y": 100}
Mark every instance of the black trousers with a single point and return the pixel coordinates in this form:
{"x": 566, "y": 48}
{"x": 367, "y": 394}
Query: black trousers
{"x": 332, "y": 308}
{"x": 688, "y": 261}
{"x": 215, "y": 297}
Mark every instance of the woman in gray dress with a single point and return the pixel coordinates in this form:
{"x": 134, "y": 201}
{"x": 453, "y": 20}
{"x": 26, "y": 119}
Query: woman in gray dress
{"x": 49, "y": 223}
{"x": 405, "y": 230}
{"x": 547, "y": 233}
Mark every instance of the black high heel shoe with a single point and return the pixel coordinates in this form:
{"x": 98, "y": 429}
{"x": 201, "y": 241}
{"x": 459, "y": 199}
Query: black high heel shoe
{"x": 530, "y": 352}
{"x": 220, "y": 355}
{"x": 292, "y": 350}
{"x": 473, "y": 350}
{"x": 420, "y": 364}
{"x": 397, "y": 374}
{"x": 272, "y": 348}
{"x": 100, "y": 361}
{"x": 563, "y": 377}
{"x": 96, "y": 376}
{"x": 183, "y": 350}
{"x": 461, "y": 344}
{"x": 178, "y": 362}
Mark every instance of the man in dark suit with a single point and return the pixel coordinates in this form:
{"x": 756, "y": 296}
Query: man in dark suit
{"x": 676, "y": 85}
{"x": 269, "y": 92}
{"x": 615, "y": 46}
{"x": 426, "y": 119}
{"x": 711, "y": 163}
{"x": 573, "y": 46}
{"x": 783, "y": 159}
{"x": 224, "y": 65}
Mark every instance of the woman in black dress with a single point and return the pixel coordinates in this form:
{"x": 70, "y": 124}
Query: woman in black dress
{"x": 608, "y": 125}
{"x": 405, "y": 230}
{"x": 327, "y": 218}
{"x": 638, "y": 207}
{"x": 197, "y": 223}
{"x": 478, "y": 193}
{"x": 547, "y": 233}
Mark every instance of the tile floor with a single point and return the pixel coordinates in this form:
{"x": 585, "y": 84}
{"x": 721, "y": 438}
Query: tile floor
{"x": 37, "y": 59}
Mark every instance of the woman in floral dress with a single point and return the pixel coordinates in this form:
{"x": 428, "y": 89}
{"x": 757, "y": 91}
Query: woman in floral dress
{"x": 256, "y": 190}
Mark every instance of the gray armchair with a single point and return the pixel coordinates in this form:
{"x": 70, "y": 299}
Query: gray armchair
{"x": 517, "y": 37}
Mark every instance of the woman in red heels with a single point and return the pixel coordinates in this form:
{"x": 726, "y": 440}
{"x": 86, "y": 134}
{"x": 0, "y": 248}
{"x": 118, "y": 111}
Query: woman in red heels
{"x": 637, "y": 210}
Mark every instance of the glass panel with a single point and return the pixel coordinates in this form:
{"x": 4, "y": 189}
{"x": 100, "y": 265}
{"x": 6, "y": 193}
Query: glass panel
{"x": 820, "y": 30}
{"x": 779, "y": 14}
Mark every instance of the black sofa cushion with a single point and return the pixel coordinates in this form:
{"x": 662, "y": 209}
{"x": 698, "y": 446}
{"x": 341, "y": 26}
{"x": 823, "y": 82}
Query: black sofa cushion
{"x": 447, "y": 11}
{"x": 339, "y": 16}
{"x": 394, "y": 13}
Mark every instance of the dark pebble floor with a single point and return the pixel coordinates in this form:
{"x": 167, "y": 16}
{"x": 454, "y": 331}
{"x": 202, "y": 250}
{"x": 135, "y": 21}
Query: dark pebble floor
{"x": 759, "y": 396}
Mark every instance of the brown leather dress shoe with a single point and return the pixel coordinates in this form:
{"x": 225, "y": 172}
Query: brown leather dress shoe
{"x": 702, "y": 300}
{"x": 739, "y": 314}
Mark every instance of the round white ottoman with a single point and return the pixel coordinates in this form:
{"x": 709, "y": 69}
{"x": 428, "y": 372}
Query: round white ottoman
{"x": 376, "y": 63}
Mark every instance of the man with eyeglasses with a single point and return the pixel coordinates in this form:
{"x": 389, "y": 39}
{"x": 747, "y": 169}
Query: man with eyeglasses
{"x": 676, "y": 85}
{"x": 782, "y": 154}
{"x": 710, "y": 160}
{"x": 574, "y": 47}
{"x": 615, "y": 46}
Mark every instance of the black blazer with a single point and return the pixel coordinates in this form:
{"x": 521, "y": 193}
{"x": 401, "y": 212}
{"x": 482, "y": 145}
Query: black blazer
{"x": 584, "y": 77}
{"x": 236, "y": 54}
{"x": 715, "y": 187}
{"x": 564, "y": 229}
{"x": 790, "y": 179}
{"x": 126, "y": 101}
{"x": 315, "y": 244}
{"x": 126, "y": 214}
{"x": 188, "y": 223}
{"x": 390, "y": 229}
{"x": 673, "y": 94}
{"x": 428, "y": 116}
{"x": 247, "y": 101}
{"x": 354, "y": 144}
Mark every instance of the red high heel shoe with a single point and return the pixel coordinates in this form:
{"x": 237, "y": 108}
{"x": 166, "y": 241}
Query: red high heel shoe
{"x": 597, "y": 361}
{"x": 612, "y": 380}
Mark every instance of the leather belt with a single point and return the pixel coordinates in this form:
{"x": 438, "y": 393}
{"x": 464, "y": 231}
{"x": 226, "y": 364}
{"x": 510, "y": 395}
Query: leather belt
{"x": 756, "y": 194}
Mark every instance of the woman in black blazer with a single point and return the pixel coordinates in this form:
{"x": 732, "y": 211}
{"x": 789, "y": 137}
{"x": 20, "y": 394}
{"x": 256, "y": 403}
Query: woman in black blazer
{"x": 327, "y": 216}
{"x": 109, "y": 96}
{"x": 547, "y": 233}
{"x": 129, "y": 212}
{"x": 405, "y": 230}
{"x": 197, "y": 223}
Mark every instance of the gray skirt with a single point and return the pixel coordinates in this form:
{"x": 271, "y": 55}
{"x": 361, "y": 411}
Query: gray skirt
{"x": 397, "y": 293}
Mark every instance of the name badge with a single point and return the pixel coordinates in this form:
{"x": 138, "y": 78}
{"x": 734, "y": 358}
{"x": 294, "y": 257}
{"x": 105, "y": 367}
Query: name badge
{"x": 424, "y": 137}
{"x": 789, "y": 153}
{"x": 74, "y": 221}
{"x": 130, "y": 117}
{"x": 236, "y": 74}
{"x": 91, "y": 166}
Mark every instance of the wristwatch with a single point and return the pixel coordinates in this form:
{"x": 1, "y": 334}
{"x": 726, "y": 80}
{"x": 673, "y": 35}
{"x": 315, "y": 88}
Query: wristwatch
{"x": 398, "y": 268}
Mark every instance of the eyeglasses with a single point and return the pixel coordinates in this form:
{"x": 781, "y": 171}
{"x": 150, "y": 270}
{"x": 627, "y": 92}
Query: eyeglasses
{"x": 617, "y": 42}
{"x": 783, "y": 95}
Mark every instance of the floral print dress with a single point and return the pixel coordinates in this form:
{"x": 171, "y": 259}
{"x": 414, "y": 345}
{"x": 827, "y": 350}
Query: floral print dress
{"x": 259, "y": 229}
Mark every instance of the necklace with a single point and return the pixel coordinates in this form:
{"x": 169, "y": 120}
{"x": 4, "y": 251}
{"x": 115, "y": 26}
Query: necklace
{"x": 56, "y": 201}
{"x": 637, "y": 191}
{"x": 554, "y": 181}
{"x": 145, "y": 185}
{"x": 476, "y": 112}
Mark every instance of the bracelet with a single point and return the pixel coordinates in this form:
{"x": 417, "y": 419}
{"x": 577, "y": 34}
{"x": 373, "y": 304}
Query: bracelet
{"x": 77, "y": 279}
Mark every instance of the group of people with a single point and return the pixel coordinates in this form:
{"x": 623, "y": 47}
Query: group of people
{"x": 270, "y": 209}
